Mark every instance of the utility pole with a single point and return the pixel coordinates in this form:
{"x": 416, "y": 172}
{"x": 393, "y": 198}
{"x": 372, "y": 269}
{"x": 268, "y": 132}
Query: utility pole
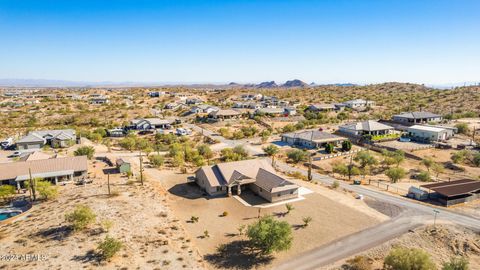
{"x": 435, "y": 212}
{"x": 309, "y": 177}
{"x": 108, "y": 183}
{"x": 32, "y": 186}
{"x": 350, "y": 167}
{"x": 141, "y": 168}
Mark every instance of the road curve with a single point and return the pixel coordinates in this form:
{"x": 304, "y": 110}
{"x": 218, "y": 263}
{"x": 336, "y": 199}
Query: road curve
{"x": 352, "y": 244}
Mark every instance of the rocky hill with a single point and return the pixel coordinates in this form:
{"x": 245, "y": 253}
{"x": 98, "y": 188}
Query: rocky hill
{"x": 270, "y": 84}
{"x": 295, "y": 83}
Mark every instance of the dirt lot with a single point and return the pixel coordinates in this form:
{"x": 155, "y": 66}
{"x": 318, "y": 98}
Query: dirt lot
{"x": 405, "y": 146}
{"x": 443, "y": 243}
{"x": 153, "y": 238}
{"x": 187, "y": 201}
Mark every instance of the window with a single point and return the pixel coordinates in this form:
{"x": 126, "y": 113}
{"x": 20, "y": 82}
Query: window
{"x": 219, "y": 188}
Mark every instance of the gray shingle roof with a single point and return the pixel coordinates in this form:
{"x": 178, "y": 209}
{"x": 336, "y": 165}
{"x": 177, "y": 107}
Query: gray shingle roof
{"x": 314, "y": 135}
{"x": 369, "y": 125}
{"x": 417, "y": 115}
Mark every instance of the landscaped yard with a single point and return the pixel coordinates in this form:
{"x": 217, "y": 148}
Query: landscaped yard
{"x": 186, "y": 200}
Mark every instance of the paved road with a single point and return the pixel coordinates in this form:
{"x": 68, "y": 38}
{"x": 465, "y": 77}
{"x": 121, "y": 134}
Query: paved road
{"x": 416, "y": 214}
{"x": 352, "y": 244}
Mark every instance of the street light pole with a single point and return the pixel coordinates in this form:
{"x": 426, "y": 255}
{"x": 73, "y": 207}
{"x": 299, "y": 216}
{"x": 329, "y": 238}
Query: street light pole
{"x": 435, "y": 212}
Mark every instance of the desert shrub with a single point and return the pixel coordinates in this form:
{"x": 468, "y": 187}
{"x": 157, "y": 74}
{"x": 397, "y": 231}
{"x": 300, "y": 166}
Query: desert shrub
{"x": 358, "y": 263}
{"x": 224, "y": 214}
{"x": 329, "y": 148}
{"x": 7, "y": 192}
{"x": 424, "y": 177}
{"x": 456, "y": 263}
{"x": 462, "y": 128}
{"x": 297, "y": 155}
{"x": 81, "y": 217}
{"x": 156, "y": 160}
{"x": 109, "y": 247}
{"x": 335, "y": 184}
{"x": 88, "y": 151}
{"x": 194, "y": 219}
{"x": 408, "y": 259}
{"x": 106, "y": 225}
{"x": 46, "y": 190}
{"x": 234, "y": 154}
{"x": 346, "y": 146}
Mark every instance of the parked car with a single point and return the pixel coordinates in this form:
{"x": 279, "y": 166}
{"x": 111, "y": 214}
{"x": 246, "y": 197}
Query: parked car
{"x": 183, "y": 131}
{"x": 6, "y": 143}
{"x": 15, "y": 154}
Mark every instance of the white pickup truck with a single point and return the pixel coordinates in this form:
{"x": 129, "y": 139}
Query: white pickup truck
{"x": 6, "y": 143}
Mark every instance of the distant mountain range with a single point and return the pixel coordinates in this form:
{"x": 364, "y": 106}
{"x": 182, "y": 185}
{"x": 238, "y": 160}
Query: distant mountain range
{"x": 267, "y": 84}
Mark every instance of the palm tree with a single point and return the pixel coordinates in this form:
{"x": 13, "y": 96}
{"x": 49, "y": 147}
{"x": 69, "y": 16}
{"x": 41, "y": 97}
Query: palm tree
{"x": 271, "y": 151}
{"x": 306, "y": 221}
{"x": 289, "y": 208}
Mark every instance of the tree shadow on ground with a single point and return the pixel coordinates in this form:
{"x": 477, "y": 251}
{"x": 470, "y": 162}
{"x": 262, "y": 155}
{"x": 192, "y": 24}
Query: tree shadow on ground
{"x": 111, "y": 171}
{"x": 55, "y": 233}
{"x": 187, "y": 191}
{"x": 237, "y": 255}
{"x": 90, "y": 257}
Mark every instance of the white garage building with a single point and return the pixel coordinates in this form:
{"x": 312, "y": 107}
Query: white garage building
{"x": 429, "y": 133}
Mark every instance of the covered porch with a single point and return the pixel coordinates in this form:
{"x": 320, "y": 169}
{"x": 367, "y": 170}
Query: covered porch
{"x": 237, "y": 186}
{"x": 54, "y": 177}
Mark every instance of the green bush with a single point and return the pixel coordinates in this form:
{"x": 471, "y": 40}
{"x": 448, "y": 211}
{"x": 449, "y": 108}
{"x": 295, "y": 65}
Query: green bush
{"x": 269, "y": 235}
{"x": 156, "y": 160}
{"x": 7, "y": 192}
{"x": 46, "y": 189}
{"x": 297, "y": 155}
{"x": 457, "y": 263}
{"x": 424, "y": 177}
{"x": 88, "y": 151}
{"x": 462, "y": 128}
{"x": 346, "y": 146}
{"x": 109, "y": 247}
{"x": 81, "y": 217}
{"x": 408, "y": 259}
{"x": 329, "y": 148}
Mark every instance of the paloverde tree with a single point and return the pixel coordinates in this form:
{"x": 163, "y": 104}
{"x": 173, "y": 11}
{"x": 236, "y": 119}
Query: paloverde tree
{"x": 271, "y": 151}
{"x": 366, "y": 160}
{"x": 297, "y": 155}
{"x": 269, "y": 235}
{"x": 395, "y": 174}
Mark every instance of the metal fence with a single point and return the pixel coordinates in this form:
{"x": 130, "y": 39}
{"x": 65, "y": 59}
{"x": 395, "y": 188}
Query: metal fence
{"x": 336, "y": 155}
{"x": 388, "y": 187}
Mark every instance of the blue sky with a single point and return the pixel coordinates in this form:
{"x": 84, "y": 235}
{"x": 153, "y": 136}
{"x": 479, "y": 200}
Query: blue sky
{"x": 361, "y": 41}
